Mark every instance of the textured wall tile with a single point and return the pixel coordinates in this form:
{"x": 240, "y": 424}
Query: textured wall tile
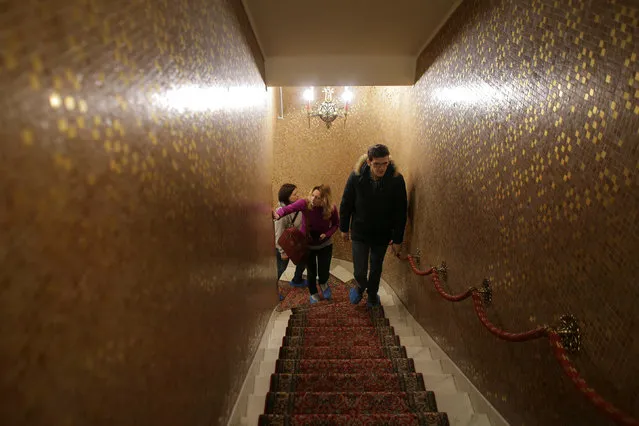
{"x": 525, "y": 169}
{"x": 137, "y": 268}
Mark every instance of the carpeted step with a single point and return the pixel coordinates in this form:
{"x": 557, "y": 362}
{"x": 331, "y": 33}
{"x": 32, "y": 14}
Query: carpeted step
{"x": 342, "y": 336}
{"x": 334, "y": 311}
{"x": 369, "y": 365}
{"x": 353, "y": 340}
{"x": 335, "y": 305}
{"x": 407, "y": 419}
{"x": 332, "y": 306}
{"x": 349, "y": 402}
{"x": 334, "y": 315}
{"x": 340, "y": 332}
{"x": 341, "y": 352}
{"x": 340, "y": 382}
{"x": 339, "y": 322}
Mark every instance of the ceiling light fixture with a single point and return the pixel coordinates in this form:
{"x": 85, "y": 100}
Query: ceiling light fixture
{"x": 328, "y": 110}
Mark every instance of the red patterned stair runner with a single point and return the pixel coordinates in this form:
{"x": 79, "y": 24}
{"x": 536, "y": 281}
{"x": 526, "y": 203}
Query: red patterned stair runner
{"x": 343, "y": 365}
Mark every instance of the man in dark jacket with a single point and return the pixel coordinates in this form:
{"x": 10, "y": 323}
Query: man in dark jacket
{"x": 374, "y": 206}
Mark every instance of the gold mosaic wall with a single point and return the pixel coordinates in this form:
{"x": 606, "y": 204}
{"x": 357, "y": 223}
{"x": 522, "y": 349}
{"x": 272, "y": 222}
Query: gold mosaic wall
{"x": 312, "y": 156}
{"x": 525, "y": 169}
{"x": 136, "y": 264}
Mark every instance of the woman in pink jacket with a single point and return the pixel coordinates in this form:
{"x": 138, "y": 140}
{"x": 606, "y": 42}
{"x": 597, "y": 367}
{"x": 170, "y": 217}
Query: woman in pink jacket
{"x": 322, "y": 220}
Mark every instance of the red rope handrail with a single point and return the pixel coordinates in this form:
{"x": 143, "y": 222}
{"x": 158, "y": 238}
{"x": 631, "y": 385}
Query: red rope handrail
{"x": 451, "y": 297}
{"x": 504, "y": 335}
{"x": 411, "y": 261}
{"x": 560, "y": 353}
{"x": 543, "y": 331}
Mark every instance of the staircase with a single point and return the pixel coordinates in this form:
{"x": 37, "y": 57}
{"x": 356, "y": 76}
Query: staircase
{"x": 339, "y": 364}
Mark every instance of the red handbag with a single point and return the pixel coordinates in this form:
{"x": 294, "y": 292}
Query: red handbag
{"x": 294, "y": 244}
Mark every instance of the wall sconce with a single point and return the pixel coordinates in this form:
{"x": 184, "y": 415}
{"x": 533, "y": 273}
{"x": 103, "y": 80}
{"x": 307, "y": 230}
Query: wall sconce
{"x": 328, "y": 110}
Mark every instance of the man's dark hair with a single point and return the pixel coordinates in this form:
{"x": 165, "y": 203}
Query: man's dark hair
{"x": 378, "y": 151}
{"x": 285, "y": 193}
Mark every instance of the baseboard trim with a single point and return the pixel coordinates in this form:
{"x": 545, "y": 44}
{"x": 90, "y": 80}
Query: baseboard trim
{"x": 241, "y": 404}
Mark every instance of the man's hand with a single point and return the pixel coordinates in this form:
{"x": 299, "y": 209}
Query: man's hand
{"x": 346, "y": 236}
{"x": 322, "y": 236}
{"x": 275, "y": 215}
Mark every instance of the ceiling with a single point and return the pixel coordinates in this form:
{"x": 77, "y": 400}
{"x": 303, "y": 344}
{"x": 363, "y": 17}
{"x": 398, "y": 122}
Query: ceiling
{"x": 344, "y": 42}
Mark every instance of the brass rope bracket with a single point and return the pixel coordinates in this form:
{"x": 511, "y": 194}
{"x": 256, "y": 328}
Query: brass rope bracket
{"x": 486, "y": 292}
{"x": 569, "y": 332}
{"x": 417, "y": 257}
{"x": 442, "y": 270}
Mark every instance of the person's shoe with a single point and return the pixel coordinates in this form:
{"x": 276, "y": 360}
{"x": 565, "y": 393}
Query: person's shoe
{"x": 326, "y": 291}
{"x": 354, "y": 295}
{"x": 372, "y": 304}
{"x": 303, "y": 283}
{"x": 314, "y": 298}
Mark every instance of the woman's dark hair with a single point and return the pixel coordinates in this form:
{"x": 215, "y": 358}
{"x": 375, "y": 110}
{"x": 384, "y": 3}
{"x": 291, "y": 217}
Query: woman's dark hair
{"x": 285, "y": 193}
{"x": 378, "y": 151}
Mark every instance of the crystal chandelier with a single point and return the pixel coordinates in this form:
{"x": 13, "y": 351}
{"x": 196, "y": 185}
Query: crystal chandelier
{"x": 328, "y": 110}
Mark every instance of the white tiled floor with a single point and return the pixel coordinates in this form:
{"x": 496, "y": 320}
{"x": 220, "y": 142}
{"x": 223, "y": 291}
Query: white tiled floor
{"x": 342, "y": 274}
{"x": 288, "y": 274}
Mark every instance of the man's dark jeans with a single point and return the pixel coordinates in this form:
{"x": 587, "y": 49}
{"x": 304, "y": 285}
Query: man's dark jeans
{"x": 368, "y": 280}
